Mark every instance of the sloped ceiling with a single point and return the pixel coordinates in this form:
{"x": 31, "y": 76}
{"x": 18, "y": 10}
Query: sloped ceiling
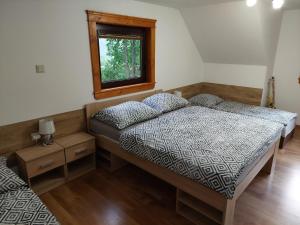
{"x": 289, "y": 4}
{"x": 229, "y": 32}
{"x": 186, "y": 3}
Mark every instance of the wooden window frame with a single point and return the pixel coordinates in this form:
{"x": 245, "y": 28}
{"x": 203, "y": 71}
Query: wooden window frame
{"x": 95, "y": 18}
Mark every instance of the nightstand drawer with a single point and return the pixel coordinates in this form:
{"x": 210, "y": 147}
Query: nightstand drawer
{"x": 45, "y": 164}
{"x": 79, "y": 151}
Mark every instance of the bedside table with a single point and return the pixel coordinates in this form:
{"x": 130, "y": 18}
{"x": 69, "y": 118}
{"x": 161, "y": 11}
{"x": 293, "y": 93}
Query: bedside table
{"x": 47, "y": 167}
{"x": 80, "y": 151}
{"x": 43, "y": 167}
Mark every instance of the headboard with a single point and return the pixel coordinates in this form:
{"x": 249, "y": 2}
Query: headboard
{"x": 246, "y": 95}
{"x": 228, "y": 92}
{"x": 92, "y": 108}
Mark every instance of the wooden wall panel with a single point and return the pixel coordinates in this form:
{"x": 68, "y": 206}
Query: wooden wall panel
{"x": 17, "y": 136}
{"x": 228, "y": 92}
{"x": 188, "y": 91}
{"x": 234, "y": 93}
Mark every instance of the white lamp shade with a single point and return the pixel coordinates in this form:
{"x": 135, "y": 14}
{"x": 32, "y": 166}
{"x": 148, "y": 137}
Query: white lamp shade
{"x": 46, "y": 126}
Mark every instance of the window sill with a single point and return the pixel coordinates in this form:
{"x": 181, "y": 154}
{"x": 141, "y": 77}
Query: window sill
{"x": 112, "y": 92}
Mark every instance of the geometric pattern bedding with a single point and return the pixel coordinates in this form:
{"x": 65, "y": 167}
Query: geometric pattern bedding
{"x": 9, "y": 180}
{"x": 126, "y": 114}
{"x": 208, "y": 146}
{"x": 18, "y": 204}
{"x": 206, "y": 100}
{"x": 24, "y": 207}
{"x": 274, "y": 115}
{"x": 165, "y": 102}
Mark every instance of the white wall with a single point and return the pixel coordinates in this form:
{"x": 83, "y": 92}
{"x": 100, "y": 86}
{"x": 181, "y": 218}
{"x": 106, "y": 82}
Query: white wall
{"x": 232, "y": 74}
{"x": 55, "y": 33}
{"x": 227, "y": 33}
{"x": 287, "y": 63}
{"x": 270, "y": 26}
{"x": 231, "y": 35}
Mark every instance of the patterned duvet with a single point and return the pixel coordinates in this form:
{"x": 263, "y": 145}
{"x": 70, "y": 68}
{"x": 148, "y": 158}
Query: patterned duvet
{"x": 23, "y": 207}
{"x": 19, "y": 205}
{"x": 274, "y": 115}
{"x": 208, "y": 146}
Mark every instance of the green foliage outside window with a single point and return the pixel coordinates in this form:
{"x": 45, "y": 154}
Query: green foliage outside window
{"x": 120, "y": 59}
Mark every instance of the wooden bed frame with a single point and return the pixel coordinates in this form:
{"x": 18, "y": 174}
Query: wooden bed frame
{"x": 194, "y": 201}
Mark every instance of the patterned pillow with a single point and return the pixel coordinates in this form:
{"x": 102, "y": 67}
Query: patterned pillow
{"x": 165, "y": 102}
{"x": 9, "y": 180}
{"x": 206, "y": 100}
{"x": 126, "y": 114}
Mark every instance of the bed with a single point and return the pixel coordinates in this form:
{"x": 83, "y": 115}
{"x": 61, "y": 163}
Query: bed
{"x": 288, "y": 119}
{"x": 209, "y": 158}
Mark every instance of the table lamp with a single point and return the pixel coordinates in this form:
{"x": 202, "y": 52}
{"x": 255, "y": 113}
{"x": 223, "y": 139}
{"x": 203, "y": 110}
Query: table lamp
{"x": 46, "y": 130}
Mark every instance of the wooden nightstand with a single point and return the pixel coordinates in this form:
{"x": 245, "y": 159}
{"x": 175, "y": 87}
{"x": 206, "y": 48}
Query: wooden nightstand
{"x": 47, "y": 167}
{"x": 43, "y": 167}
{"x": 79, "y": 152}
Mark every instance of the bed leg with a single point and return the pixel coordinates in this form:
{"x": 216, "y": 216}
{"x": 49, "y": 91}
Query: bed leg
{"x": 293, "y": 133}
{"x": 228, "y": 214}
{"x": 282, "y": 142}
{"x": 270, "y": 165}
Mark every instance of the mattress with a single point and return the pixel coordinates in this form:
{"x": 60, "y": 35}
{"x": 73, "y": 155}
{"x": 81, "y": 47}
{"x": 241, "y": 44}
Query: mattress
{"x": 211, "y": 147}
{"x": 289, "y": 127}
{"x": 101, "y": 128}
{"x": 288, "y": 119}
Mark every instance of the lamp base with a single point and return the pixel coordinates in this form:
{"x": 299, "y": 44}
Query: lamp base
{"x": 47, "y": 139}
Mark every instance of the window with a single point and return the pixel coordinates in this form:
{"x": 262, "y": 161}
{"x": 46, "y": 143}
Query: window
{"x": 122, "y": 54}
{"x": 122, "y": 57}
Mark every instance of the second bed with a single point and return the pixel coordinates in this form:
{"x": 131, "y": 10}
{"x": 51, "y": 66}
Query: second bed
{"x": 287, "y": 119}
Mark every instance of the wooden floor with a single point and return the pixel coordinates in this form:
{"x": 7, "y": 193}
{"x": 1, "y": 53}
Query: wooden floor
{"x": 133, "y": 197}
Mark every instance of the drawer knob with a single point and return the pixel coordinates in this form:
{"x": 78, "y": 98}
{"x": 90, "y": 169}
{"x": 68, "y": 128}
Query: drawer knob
{"x": 46, "y": 164}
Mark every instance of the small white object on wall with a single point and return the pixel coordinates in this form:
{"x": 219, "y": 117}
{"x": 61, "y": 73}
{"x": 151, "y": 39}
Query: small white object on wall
{"x": 178, "y": 93}
{"x": 40, "y": 68}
